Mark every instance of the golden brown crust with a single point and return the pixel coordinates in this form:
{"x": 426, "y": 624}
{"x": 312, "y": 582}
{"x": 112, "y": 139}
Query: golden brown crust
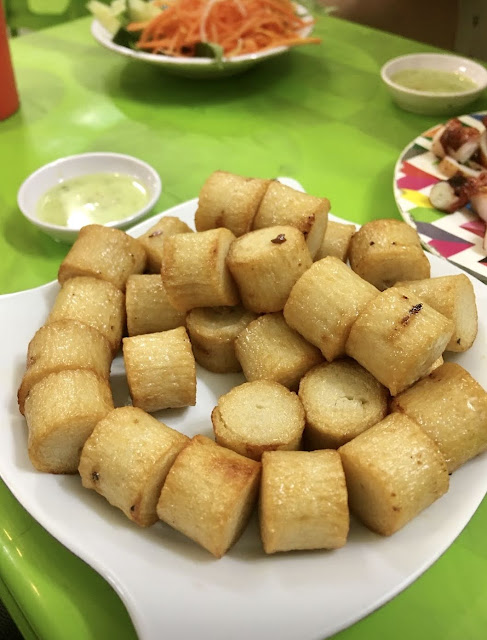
{"x": 303, "y": 501}
{"x": 97, "y": 303}
{"x": 230, "y": 201}
{"x": 393, "y": 471}
{"x": 336, "y": 241}
{"x": 154, "y": 239}
{"x": 282, "y": 205}
{"x": 268, "y": 349}
{"x": 209, "y": 494}
{"x": 398, "y": 338}
{"x": 63, "y": 345}
{"x": 61, "y": 412}
{"x": 148, "y": 307}
{"x": 212, "y": 331}
{"x": 325, "y": 302}
{"x": 126, "y": 460}
{"x": 265, "y": 265}
{"x": 194, "y": 271}
{"x": 161, "y": 371}
{"x": 451, "y": 407}
{"x": 105, "y": 253}
{"x": 453, "y": 297}
{"x": 386, "y": 251}
{"x": 341, "y": 400}
{"x": 258, "y": 416}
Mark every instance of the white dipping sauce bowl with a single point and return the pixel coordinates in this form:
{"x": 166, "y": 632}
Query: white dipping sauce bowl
{"x": 48, "y": 176}
{"x": 429, "y": 102}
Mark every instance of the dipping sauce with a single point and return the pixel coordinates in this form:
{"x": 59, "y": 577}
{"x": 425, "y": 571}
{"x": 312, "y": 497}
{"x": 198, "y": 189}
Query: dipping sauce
{"x": 92, "y": 199}
{"x": 433, "y": 80}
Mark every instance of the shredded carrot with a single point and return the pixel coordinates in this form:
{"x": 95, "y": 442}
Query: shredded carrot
{"x": 238, "y": 26}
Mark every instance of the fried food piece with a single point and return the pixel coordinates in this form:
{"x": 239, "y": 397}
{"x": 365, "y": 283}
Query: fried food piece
{"x": 341, "y": 399}
{"x": 126, "y": 460}
{"x": 268, "y": 349}
{"x": 230, "y": 201}
{"x": 386, "y": 251}
{"x": 61, "y": 412}
{"x": 451, "y": 407}
{"x": 282, "y": 205}
{"x": 103, "y": 252}
{"x": 212, "y": 331}
{"x": 266, "y": 264}
{"x": 161, "y": 371}
{"x": 209, "y": 494}
{"x": 154, "y": 239}
{"x": 393, "y": 472}
{"x": 194, "y": 270}
{"x": 258, "y": 416}
{"x": 398, "y": 338}
{"x": 63, "y": 345}
{"x": 148, "y": 307}
{"x": 325, "y": 302}
{"x": 336, "y": 241}
{"x": 97, "y": 303}
{"x": 453, "y": 297}
{"x": 303, "y": 502}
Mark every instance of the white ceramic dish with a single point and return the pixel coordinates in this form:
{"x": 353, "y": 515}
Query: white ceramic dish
{"x": 161, "y": 575}
{"x": 427, "y": 102}
{"x": 68, "y": 167}
{"x": 455, "y": 236}
{"x": 196, "y": 67}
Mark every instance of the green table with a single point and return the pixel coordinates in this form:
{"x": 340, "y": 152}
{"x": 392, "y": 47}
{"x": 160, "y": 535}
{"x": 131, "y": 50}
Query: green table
{"x": 320, "y": 115}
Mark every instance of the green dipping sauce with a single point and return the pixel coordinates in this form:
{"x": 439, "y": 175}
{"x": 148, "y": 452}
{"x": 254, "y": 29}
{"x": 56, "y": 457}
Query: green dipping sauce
{"x": 96, "y": 198}
{"x": 433, "y": 80}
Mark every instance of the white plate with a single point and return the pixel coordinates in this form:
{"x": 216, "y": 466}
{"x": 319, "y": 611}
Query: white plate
{"x": 197, "y": 67}
{"x": 456, "y": 236}
{"x": 174, "y": 589}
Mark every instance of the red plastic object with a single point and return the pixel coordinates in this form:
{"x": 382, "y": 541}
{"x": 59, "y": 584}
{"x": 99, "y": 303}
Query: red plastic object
{"x": 9, "y": 98}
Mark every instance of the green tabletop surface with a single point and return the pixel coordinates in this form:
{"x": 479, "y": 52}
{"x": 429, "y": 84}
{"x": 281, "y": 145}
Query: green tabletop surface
{"x": 319, "y": 114}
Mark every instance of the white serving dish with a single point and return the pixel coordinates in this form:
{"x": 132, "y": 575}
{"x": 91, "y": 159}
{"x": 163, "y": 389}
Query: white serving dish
{"x": 161, "y": 576}
{"x": 68, "y": 167}
{"x": 429, "y": 102}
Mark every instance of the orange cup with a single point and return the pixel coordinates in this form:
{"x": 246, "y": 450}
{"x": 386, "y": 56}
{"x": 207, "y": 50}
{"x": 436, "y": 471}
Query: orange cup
{"x": 9, "y": 98}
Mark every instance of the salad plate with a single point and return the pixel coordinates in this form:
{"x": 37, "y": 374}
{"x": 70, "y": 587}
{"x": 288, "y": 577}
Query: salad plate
{"x": 455, "y": 236}
{"x": 197, "y": 67}
{"x": 161, "y": 576}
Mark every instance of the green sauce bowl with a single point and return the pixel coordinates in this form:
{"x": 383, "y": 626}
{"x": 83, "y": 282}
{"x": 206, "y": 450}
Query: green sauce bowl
{"x": 70, "y": 168}
{"x": 434, "y": 102}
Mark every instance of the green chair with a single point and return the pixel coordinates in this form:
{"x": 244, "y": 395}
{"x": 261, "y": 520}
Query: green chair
{"x": 39, "y": 14}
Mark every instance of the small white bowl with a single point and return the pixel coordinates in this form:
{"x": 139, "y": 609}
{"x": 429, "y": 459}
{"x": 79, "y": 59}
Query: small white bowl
{"x": 429, "y": 102}
{"x": 48, "y": 176}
